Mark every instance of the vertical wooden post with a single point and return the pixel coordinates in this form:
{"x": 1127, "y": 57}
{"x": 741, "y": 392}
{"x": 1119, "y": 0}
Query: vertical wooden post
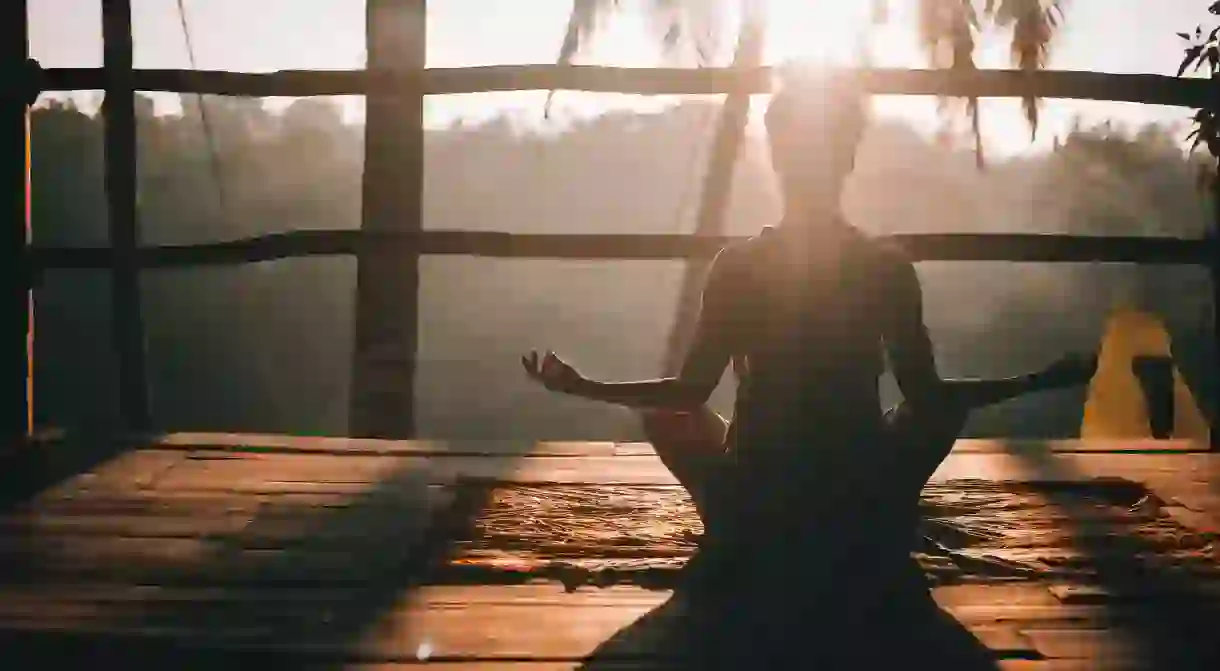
{"x": 717, "y": 187}
{"x": 16, "y": 421}
{"x": 1213, "y": 413}
{"x": 387, "y": 285}
{"x": 118, "y": 112}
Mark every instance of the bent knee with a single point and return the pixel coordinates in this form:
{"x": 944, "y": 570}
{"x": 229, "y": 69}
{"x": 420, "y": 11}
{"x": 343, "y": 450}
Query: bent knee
{"x": 666, "y": 423}
{"x": 701, "y": 427}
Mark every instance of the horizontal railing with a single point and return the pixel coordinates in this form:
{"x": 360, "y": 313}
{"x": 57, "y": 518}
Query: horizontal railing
{"x": 1134, "y": 88}
{"x": 921, "y": 247}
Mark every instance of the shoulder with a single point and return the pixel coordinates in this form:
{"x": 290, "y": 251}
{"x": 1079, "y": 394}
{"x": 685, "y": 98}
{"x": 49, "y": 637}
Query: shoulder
{"x": 739, "y": 255}
{"x": 887, "y": 257}
{"x": 733, "y": 265}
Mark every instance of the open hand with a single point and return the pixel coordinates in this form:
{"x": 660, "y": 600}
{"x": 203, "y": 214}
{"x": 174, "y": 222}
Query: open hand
{"x": 552, "y": 372}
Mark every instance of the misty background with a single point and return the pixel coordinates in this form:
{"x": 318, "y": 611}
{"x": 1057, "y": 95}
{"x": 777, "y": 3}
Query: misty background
{"x": 267, "y": 347}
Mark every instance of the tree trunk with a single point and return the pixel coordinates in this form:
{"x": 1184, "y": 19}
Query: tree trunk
{"x": 387, "y": 285}
{"x": 717, "y": 186}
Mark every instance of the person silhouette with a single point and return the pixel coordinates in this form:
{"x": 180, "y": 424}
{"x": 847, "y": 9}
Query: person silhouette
{"x": 810, "y": 476}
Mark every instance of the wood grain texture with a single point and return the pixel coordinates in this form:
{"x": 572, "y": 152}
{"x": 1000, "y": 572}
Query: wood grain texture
{"x": 199, "y": 551}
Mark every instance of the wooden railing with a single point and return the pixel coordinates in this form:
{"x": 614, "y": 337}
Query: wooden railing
{"x": 921, "y": 246}
{"x": 1073, "y": 85}
{"x": 389, "y": 79}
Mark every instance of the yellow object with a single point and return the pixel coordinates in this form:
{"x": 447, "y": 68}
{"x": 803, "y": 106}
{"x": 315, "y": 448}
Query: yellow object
{"x": 1116, "y": 407}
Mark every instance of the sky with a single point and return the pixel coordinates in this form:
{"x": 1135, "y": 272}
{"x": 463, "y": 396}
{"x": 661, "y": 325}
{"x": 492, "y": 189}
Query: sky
{"x": 1119, "y": 36}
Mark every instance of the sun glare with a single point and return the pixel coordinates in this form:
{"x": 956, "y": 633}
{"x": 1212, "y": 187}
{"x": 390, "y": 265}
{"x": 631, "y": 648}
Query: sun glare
{"x": 842, "y": 35}
{"x": 817, "y": 32}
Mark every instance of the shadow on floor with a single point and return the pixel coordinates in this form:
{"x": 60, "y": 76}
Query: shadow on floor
{"x": 1162, "y": 611}
{"x": 305, "y": 603}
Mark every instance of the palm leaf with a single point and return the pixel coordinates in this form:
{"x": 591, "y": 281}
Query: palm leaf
{"x": 948, "y": 32}
{"x": 582, "y": 25}
{"x": 677, "y": 23}
{"x": 1034, "y": 24}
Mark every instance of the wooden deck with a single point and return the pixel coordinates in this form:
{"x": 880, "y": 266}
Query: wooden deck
{"x": 206, "y": 550}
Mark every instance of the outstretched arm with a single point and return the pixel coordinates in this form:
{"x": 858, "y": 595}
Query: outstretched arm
{"x": 705, "y": 362}
{"x": 906, "y": 337}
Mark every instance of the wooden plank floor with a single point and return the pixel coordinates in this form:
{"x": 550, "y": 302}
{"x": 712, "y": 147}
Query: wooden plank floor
{"x": 197, "y": 550}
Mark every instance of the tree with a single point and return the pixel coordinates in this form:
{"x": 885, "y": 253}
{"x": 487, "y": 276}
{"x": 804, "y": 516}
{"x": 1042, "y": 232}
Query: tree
{"x": 1203, "y": 49}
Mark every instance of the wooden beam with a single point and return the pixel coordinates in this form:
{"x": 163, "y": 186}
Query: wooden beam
{"x": 382, "y": 398}
{"x": 15, "y": 423}
{"x": 1065, "y": 84}
{"x": 118, "y": 112}
{"x": 395, "y": 245}
{"x": 1213, "y": 412}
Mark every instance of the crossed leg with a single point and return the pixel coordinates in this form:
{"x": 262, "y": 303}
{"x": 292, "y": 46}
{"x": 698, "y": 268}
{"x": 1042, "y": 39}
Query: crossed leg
{"x": 693, "y": 445}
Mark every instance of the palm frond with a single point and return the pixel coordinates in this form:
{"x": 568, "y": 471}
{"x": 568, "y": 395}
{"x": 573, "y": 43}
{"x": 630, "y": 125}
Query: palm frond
{"x": 677, "y": 24}
{"x": 1034, "y": 24}
{"x": 945, "y": 28}
{"x": 583, "y": 21}
{"x": 949, "y": 29}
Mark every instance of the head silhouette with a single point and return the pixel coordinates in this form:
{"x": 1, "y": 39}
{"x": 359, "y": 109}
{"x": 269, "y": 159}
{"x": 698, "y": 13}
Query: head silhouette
{"x": 815, "y": 122}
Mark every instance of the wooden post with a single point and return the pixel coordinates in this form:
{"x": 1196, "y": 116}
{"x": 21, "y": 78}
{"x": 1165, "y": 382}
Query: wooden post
{"x": 1213, "y": 413}
{"x": 118, "y": 112}
{"x": 16, "y": 422}
{"x": 387, "y": 285}
{"x": 717, "y": 187}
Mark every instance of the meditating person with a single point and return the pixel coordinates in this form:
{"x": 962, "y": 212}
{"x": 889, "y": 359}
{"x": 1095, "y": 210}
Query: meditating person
{"x": 809, "y": 476}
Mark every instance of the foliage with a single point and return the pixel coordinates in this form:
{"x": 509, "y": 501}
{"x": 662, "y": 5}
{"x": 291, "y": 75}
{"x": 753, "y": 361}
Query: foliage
{"x": 685, "y": 30}
{"x": 1203, "y": 49}
{"x": 950, "y": 30}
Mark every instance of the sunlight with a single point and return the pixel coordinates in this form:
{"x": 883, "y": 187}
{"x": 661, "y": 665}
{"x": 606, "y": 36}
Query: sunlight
{"x": 828, "y": 32}
{"x": 842, "y": 34}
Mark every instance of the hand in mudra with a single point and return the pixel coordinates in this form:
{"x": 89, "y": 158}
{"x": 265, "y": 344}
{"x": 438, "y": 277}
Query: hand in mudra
{"x": 552, "y": 372}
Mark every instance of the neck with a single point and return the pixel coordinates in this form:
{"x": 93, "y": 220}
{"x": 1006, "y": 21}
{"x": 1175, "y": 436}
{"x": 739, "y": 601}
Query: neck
{"x": 803, "y": 206}
{"x": 813, "y": 223}
{"x": 807, "y": 208}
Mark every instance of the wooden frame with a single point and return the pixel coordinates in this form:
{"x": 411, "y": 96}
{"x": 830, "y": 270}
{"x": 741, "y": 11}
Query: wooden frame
{"x": 16, "y": 421}
{"x": 1074, "y": 85}
{"x": 119, "y": 116}
{"x": 382, "y": 390}
{"x": 395, "y": 227}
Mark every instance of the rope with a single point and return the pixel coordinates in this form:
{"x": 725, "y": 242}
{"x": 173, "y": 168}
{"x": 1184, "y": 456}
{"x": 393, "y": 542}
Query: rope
{"x": 213, "y": 154}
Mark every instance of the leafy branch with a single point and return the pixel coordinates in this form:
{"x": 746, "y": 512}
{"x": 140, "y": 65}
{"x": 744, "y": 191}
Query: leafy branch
{"x": 950, "y": 30}
{"x": 1203, "y": 50}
